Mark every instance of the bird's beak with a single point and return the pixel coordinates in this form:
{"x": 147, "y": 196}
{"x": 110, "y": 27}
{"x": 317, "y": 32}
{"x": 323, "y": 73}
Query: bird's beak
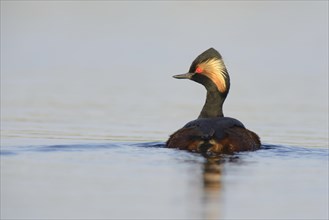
{"x": 184, "y": 76}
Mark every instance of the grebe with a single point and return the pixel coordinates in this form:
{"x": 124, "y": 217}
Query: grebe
{"x": 212, "y": 134}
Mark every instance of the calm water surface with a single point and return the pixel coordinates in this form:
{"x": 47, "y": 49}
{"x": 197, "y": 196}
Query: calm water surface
{"x": 87, "y": 102}
{"x": 63, "y": 156}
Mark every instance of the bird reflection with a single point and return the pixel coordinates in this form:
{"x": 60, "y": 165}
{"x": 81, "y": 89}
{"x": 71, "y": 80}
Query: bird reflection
{"x": 212, "y": 171}
{"x": 212, "y": 185}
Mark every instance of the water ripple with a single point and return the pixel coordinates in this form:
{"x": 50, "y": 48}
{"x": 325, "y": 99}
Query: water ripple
{"x": 266, "y": 150}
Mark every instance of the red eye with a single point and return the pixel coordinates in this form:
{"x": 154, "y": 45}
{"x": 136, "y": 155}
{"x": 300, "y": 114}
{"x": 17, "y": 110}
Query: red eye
{"x": 198, "y": 70}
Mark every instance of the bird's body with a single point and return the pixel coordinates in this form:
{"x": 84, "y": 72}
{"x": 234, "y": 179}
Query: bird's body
{"x": 212, "y": 133}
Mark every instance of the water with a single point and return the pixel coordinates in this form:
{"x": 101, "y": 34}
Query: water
{"x": 120, "y": 180}
{"x": 87, "y": 102}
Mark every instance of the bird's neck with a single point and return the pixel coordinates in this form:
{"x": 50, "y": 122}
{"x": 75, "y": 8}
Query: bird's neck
{"x": 214, "y": 104}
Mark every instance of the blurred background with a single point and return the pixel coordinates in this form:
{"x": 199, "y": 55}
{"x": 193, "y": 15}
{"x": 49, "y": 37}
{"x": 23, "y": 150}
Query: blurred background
{"x": 84, "y": 83}
{"x": 102, "y": 70}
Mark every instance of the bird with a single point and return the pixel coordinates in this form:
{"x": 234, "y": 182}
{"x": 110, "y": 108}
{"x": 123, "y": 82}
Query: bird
{"x": 212, "y": 134}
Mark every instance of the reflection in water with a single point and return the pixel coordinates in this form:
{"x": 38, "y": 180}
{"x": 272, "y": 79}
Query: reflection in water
{"x": 212, "y": 172}
{"x": 148, "y": 180}
{"x": 212, "y": 185}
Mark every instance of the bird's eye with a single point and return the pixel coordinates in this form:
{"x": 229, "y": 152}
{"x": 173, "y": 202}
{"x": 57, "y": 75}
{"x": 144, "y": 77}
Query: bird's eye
{"x": 198, "y": 70}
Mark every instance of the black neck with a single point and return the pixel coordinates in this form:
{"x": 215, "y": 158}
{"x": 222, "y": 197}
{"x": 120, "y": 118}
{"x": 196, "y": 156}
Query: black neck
{"x": 214, "y": 105}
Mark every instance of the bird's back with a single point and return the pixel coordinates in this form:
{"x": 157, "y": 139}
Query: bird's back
{"x": 214, "y": 136}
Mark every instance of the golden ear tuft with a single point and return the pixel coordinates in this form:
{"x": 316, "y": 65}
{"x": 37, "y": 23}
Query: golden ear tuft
{"x": 215, "y": 70}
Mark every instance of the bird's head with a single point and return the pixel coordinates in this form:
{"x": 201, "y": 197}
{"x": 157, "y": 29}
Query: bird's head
{"x": 209, "y": 70}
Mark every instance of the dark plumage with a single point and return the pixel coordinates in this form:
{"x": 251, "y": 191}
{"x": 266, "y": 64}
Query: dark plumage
{"x": 212, "y": 133}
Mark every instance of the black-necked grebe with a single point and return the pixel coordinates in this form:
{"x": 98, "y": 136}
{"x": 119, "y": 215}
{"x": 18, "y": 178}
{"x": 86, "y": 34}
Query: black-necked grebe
{"x": 212, "y": 133}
